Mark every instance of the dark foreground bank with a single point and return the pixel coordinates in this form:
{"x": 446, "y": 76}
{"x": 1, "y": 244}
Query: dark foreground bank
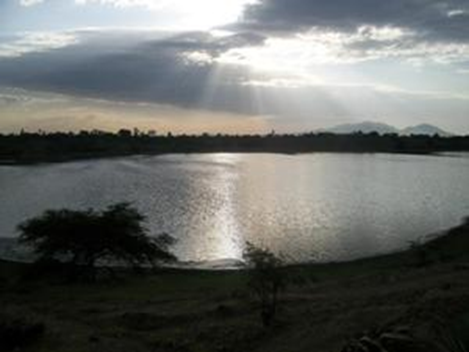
{"x": 27, "y": 148}
{"x": 420, "y": 291}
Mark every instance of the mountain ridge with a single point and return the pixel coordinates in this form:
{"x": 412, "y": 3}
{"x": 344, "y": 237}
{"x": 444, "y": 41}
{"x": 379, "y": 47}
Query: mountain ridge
{"x": 383, "y": 128}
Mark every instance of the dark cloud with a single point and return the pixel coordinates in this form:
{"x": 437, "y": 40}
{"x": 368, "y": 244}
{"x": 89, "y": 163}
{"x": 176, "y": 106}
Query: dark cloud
{"x": 138, "y": 67}
{"x": 123, "y": 68}
{"x": 207, "y": 43}
{"x": 431, "y": 19}
{"x": 182, "y": 70}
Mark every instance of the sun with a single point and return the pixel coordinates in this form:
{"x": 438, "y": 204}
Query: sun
{"x": 207, "y": 14}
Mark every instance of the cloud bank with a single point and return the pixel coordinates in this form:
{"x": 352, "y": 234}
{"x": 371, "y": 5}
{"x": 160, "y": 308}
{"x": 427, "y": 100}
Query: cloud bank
{"x": 295, "y": 63}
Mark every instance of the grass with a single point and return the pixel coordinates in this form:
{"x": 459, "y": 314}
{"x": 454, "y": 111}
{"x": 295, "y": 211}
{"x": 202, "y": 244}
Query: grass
{"x": 190, "y": 310}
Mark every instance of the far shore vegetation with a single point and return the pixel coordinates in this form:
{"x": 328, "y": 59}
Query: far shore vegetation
{"x": 415, "y": 300}
{"x": 25, "y": 148}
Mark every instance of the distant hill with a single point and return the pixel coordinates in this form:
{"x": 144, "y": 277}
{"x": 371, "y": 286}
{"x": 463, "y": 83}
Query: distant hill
{"x": 364, "y": 127}
{"x": 424, "y": 129}
{"x": 382, "y": 128}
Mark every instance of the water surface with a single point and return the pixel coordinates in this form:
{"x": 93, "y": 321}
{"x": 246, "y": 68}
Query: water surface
{"x": 309, "y": 207}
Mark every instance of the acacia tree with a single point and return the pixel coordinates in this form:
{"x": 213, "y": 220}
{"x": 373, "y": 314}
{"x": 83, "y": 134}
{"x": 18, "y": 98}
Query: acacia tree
{"x": 266, "y": 279}
{"x": 84, "y": 238}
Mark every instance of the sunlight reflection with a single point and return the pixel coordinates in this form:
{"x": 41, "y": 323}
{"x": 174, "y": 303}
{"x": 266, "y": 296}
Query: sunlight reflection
{"x": 224, "y": 233}
{"x": 225, "y": 158}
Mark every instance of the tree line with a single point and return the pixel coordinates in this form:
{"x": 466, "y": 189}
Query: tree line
{"x": 41, "y": 146}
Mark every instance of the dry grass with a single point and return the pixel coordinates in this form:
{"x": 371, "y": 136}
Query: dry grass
{"x": 324, "y": 307}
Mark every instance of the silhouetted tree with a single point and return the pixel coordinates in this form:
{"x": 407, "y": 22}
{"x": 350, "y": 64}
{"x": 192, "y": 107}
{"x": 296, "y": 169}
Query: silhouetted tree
{"x": 83, "y": 238}
{"x": 124, "y": 133}
{"x": 266, "y": 279}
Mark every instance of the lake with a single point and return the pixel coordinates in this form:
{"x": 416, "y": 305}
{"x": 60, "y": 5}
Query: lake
{"x": 322, "y": 207}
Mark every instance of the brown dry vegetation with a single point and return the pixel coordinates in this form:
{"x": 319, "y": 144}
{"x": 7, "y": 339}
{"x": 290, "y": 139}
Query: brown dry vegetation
{"x": 176, "y": 310}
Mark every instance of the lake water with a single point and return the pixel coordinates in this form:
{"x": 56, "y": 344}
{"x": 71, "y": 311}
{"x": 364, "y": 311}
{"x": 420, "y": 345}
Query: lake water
{"x": 322, "y": 207}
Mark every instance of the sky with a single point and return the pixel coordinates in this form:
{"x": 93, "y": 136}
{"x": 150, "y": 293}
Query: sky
{"x": 232, "y": 66}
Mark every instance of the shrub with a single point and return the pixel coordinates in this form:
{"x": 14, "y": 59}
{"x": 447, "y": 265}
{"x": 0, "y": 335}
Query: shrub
{"x": 266, "y": 279}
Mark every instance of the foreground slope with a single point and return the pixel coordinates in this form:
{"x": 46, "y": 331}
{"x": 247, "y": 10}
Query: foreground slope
{"x": 177, "y": 310}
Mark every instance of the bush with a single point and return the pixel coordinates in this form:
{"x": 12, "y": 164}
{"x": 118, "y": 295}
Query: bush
{"x": 266, "y": 279}
{"x": 420, "y": 253}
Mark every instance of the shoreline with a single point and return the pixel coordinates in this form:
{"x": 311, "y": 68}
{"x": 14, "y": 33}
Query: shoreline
{"x": 19, "y": 162}
{"x": 30, "y": 148}
{"x": 434, "y": 243}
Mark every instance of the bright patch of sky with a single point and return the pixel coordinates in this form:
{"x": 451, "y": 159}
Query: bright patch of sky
{"x": 170, "y": 14}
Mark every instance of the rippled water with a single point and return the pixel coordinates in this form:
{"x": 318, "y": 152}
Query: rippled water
{"x": 312, "y": 206}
